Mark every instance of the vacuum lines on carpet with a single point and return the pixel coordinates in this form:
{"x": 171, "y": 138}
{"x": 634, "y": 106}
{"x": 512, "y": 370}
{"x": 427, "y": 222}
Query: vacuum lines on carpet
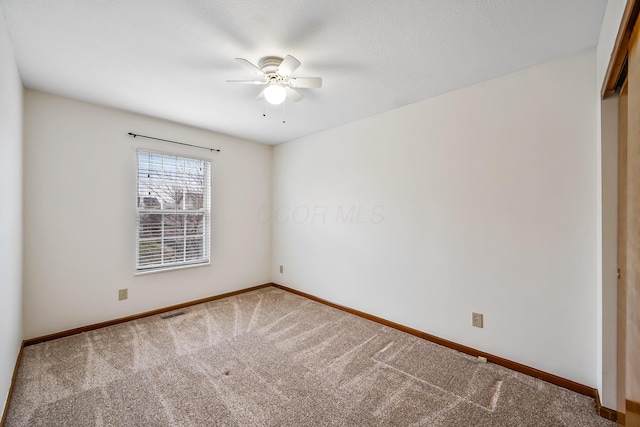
{"x": 273, "y": 358}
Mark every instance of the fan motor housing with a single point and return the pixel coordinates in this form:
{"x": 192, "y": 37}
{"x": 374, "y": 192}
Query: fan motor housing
{"x": 270, "y": 64}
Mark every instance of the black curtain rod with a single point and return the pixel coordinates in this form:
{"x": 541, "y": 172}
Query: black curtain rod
{"x": 173, "y": 142}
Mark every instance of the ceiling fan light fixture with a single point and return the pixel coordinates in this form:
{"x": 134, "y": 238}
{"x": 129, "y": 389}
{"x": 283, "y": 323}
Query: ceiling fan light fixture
{"x": 276, "y": 73}
{"x": 275, "y": 94}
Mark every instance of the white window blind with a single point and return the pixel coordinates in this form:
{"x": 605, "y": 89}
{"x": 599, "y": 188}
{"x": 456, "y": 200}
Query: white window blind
{"x": 173, "y": 211}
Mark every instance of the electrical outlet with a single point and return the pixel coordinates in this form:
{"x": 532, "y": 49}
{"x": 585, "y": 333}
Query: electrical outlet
{"x": 281, "y": 269}
{"x": 476, "y": 320}
{"x": 123, "y": 294}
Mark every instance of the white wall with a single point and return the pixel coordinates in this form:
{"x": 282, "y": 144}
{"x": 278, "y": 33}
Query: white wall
{"x": 483, "y": 199}
{"x": 607, "y": 211}
{"x": 11, "y": 215}
{"x": 80, "y": 187}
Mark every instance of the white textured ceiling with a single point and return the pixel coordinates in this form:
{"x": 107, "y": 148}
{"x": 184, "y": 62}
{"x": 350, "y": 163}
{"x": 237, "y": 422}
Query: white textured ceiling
{"x": 170, "y": 58}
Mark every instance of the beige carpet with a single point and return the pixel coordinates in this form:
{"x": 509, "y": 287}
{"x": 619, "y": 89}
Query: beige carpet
{"x": 272, "y": 358}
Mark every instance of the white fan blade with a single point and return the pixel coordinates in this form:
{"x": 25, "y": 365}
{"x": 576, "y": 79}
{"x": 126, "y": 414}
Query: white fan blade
{"x": 248, "y": 82}
{"x": 288, "y": 65}
{"x": 305, "y": 82}
{"x": 260, "y": 97}
{"x": 250, "y": 66}
{"x": 293, "y": 94}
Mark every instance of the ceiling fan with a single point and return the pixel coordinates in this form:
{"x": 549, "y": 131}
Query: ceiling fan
{"x": 275, "y": 72}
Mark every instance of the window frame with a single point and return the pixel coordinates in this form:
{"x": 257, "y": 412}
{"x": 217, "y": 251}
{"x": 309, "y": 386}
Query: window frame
{"x": 205, "y": 260}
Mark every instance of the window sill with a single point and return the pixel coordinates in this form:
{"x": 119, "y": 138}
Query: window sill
{"x": 173, "y": 268}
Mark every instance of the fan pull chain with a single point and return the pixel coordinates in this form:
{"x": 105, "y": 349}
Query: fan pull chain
{"x": 284, "y": 112}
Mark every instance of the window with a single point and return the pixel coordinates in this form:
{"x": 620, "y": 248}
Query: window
{"x": 173, "y": 212}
